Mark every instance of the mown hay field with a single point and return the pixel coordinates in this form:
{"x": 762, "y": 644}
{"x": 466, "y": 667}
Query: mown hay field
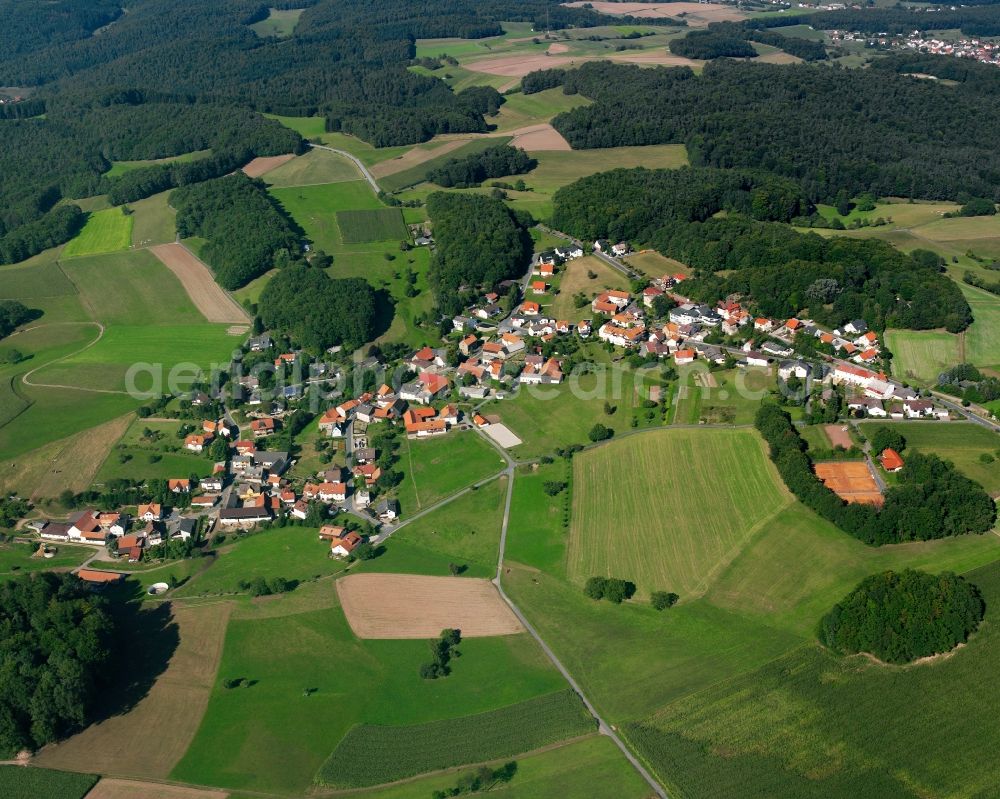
{"x": 370, "y": 754}
{"x": 104, "y": 231}
{"x": 921, "y": 355}
{"x": 669, "y": 509}
{"x": 382, "y": 224}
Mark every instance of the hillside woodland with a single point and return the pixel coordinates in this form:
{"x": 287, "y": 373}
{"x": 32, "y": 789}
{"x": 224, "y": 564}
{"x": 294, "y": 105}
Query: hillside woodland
{"x": 831, "y": 130}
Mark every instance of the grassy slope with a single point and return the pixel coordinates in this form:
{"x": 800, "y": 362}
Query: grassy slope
{"x": 921, "y": 355}
{"x": 814, "y": 725}
{"x": 272, "y": 737}
{"x": 153, "y": 221}
{"x": 314, "y": 167}
{"x": 418, "y": 173}
{"x": 16, "y": 559}
{"x": 465, "y": 531}
{"x": 121, "y": 167}
{"x": 430, "y": 468}
{"x": 638, "y": 516}
{"x": 280, "y": 22}
{"x": 104, "y": 231}
{"x": 592, "y": 768}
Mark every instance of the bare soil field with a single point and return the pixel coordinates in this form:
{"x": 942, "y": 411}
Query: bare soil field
{"x": 539, "y": 138}
{"x": 261, "y": 166}
{"x": 517, "y": 66}
{"x": 557, "y": 48}
{"x": 415, "y": 606}
{"x": 852, "y": 481}
{"x": 414, "y": 157}
{"x": 132, "y": 789}
{"x": 165, "y": 720}
{"x": 778, "y": 58}
{"x": 207, "y": 296}
{"x": 695, "y": 13}
{"x": 839, "y": 436}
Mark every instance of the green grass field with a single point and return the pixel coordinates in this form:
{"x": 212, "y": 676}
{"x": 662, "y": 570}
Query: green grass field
{"x": 271, "y": 736}
{"x": 733, "y": 399}
{"x": 592, "y": 767}
{"x": 153, "y": 221}
{"x": 17, "y": 782}
{"x": 295, "y": 553}
{"x": 382, "y": 224}
{"x": 429, "y": 468}
{"x": 549, "y": 417}
{"x": 280, "y": 22}
{"x": 131, "y": 288}
{"x": 982, "y": 344}
{"x": 959, "y": 442}
{"x": 815, "y": 725}
{"x": 315, "y": 208}
{"x": 371, "y": 755}
{"x": 104, "y": 231}
{"x": 520, "y": 110}
{"x": 418, "y": 174}
{"x": 697, "y": 522}
{"x": 150, "y": 354}
{"x": 119, "y": 168}
{"x": 466, "y": 531}
{"x": 16, "y": 559}
{"x": 541, "y": 536}
{"x": 312, "y": 168}
{"x": 307, "y": 127}
{"x": 35, "y": 278}
{"x": 921, "y": 355}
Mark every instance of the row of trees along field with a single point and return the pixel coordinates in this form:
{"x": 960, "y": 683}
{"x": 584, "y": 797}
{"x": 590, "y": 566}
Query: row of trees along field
{"x": 972, "y": 21}
{"x": 494, "y": 162}
{"x": 732, "y": 40}
{"x": 244, "y": 227}
{"x": 479, "y": 242}
{"x": 749, "y": 253}
{"x": 932, "y": 500}
{"x": 317, "y": 311}
{"x": 901, "y": 616}
{"x": 832, "y": 130}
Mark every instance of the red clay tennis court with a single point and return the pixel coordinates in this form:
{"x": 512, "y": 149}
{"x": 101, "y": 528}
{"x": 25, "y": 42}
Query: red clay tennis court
{"x": 852, "y": 481}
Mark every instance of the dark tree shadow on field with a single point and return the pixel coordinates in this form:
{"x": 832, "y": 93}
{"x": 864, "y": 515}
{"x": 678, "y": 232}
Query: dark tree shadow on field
{"x": 385, "y": 309}
{"x": 146, "y": 639}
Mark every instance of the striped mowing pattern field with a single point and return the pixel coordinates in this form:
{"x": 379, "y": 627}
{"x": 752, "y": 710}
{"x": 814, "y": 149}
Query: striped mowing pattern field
{"x": 667, "y": 510}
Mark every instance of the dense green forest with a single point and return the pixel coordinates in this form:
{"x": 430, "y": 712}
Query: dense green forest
{"x": 244, "y": 228}
{"x": 901, "y": 616}
{"x": 932, "y": 499}
{"x": 746, "y": 253}
{"x": 495, "y": 162}
{"x": 29, "y": 25}
{"x": 64, "y": 156}
{"x": 56, "y": 640}
{"x": 833, "y": 130}
{"x": 479, "y": 242}
{"x": 708, "y": 44}
{"x": 633, "y": 203}
{"x": 317, "y": 311}
{"x": 980, "y": 21}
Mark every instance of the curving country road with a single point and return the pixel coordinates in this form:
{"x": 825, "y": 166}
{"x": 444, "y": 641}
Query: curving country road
{"x": 25, "y": 377}
{"x": 357, "y": 162}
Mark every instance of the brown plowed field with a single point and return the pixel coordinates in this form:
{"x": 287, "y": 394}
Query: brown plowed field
{"x": 207, "y": 296}
{"x": 261, "y": 166}
{"x": 415, "y": 606}
{"x": 414, "y": 157}
{"x": 695, "y": 13}
{"x": 131, "y": 789}
{"x": 539, "y": 138}
{"x": 852, "y": 481}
